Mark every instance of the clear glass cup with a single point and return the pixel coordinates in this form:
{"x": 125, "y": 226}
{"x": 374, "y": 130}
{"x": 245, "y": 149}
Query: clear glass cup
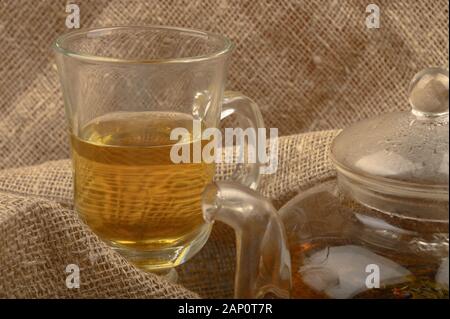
{"x": 125, "y": 89}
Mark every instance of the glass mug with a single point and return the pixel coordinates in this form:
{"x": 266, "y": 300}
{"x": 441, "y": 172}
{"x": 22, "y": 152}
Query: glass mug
{"x": 125, "y": 89}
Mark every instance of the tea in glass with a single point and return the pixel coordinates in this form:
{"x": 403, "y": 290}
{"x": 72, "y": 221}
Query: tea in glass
{"x": 129, "y": 191}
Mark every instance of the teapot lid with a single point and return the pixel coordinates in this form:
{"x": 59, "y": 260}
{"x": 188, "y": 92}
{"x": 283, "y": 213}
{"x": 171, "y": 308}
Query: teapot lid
{"x": 405, "y": 150}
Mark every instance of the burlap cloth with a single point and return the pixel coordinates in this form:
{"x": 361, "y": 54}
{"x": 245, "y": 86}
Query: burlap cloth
{"x": 41, "y": 234}
{"x": 310, "y": 65}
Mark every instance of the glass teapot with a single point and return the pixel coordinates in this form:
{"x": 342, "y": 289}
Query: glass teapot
{"x": 378, "y": 230}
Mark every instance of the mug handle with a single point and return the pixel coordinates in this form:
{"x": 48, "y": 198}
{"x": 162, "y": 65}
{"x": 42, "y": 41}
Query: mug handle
{"x": 263, "y": 264}
{"x": 248, "y": 113}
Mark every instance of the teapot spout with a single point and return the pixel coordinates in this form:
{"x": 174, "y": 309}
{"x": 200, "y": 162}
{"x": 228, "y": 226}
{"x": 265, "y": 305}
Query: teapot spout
{"x": 263, "y": 265}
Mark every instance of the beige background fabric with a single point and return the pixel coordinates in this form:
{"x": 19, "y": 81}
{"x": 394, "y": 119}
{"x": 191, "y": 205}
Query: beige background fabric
{"x": 310, "y": 65}
{"x": 41, "y": 233}
{"x": 40, "y": 238}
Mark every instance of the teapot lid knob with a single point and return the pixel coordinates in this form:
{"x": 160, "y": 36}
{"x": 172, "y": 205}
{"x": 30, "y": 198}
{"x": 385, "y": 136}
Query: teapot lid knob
{"x": 428, "y": 93}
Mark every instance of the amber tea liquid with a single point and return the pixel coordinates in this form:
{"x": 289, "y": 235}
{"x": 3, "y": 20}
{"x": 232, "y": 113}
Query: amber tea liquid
{"x": 132, "y": 195}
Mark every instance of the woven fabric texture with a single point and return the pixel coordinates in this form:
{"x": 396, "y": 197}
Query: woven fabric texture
{"x": 310, "y": 65}
{"x": 41, "y": 234}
